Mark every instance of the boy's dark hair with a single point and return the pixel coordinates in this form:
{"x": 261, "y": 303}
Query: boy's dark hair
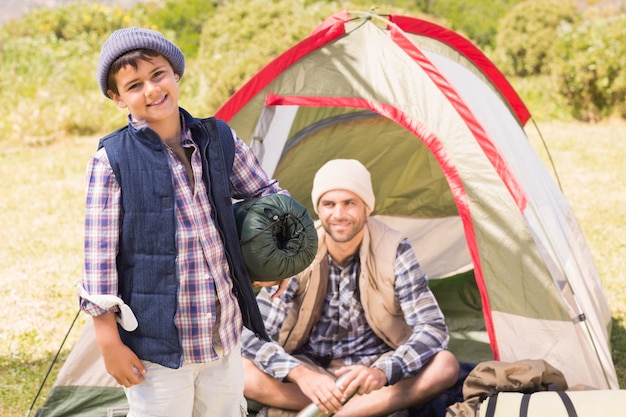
{"x": 130, "y": 58}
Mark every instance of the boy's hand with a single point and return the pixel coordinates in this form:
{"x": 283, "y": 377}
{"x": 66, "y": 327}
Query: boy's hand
{"x": 123, "y": 365}
{"x": 119, "y": 360}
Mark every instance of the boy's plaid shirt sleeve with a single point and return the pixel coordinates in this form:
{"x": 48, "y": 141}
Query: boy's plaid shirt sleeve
{"x": 102, "y": 222}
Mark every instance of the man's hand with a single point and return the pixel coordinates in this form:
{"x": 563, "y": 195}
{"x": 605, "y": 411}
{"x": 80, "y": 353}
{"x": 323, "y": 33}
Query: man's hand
{"x": 320, "y": 388}
{"x": 360, "y": 379}
{"x": 282, "y": 286}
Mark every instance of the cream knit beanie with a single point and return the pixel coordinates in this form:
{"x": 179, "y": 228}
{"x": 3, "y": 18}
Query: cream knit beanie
{"x": 343, "y": 174}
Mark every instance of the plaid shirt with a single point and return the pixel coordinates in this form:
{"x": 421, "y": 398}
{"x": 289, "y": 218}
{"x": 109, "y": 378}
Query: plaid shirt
{"x": 343, "y": 332}
{"x": 201, "y": 266}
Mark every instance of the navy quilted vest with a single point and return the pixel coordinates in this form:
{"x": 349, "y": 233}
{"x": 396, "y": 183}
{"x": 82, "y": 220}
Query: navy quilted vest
{"x": 146, "y": 261}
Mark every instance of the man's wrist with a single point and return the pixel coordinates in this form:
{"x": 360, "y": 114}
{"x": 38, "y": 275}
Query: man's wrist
{"x": 296, "y": 373}
{"x": 382, "y": 371}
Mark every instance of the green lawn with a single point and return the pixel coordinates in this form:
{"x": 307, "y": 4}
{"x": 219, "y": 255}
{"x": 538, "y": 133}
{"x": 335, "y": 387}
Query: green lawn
{"x": 41, "y": 208}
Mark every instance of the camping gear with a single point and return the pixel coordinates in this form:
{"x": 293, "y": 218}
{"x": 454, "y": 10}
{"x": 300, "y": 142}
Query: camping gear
{"x": 605, "y": 403}
{"x": 277, "y": 236}
{"x": 491, "y": 377}
{"x": 442, "y": 132}
{"x": 530, "y": 388}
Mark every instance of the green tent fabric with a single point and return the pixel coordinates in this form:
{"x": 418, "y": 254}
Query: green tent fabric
{"x": 84, "y": 401}
{"x": 459, "y": 299}
{"x": 83, "y": 388}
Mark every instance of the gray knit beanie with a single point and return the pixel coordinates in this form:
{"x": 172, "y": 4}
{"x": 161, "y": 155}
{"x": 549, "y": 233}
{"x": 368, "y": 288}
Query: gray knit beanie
{"x": 343, "y": 174}
{"x": 125, "y": 40}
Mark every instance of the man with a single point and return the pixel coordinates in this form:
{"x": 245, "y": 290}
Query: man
{"x": 361, "y": 310}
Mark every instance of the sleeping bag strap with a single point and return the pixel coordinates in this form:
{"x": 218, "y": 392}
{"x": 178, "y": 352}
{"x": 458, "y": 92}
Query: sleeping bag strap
{"x": 491, "y": 405}
{"x": 567, "y": 402}
{"x": 277, "y": 220}
{"x": 523, "y": 411}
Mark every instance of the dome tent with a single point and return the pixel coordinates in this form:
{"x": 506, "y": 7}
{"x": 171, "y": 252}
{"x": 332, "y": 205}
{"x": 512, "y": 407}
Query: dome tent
{"x": 442, "y": 132}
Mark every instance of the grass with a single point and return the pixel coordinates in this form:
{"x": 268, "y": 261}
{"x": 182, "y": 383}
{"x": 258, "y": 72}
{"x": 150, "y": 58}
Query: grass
{"x": 40, "y": 261}
{"x": 41, "y": 247}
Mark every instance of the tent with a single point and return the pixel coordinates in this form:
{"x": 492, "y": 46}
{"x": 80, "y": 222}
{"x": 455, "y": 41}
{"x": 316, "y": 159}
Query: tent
{"x": 443, "y": 133}
{"x": 83, "y": 388}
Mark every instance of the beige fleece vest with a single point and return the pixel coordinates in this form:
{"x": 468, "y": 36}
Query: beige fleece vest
{"x": 376, "y": 284}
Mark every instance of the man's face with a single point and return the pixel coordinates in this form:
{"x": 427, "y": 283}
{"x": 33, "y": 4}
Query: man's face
{"x": 342, "y": 214}
{"x": 150, "y": 92}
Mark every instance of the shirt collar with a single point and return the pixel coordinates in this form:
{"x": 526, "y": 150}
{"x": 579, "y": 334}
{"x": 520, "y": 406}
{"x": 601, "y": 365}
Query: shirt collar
{"x": 186, "y": 139}
{"x": 351, "y": 261}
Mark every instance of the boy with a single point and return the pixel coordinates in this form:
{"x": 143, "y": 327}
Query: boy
{"x": 160, "y": 235}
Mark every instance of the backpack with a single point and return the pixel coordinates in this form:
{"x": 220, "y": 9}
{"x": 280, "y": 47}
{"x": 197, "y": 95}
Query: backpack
{"x": 490, "y": 378}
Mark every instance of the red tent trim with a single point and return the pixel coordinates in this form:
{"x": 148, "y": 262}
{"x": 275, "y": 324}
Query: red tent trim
{"x": 482, "y": 138}
{"x": 329, "y": 30}
{"x": 471, "y": 52}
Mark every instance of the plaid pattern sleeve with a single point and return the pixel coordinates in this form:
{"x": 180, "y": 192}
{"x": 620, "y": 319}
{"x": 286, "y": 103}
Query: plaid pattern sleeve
{"x": 421, "y": 312}
{"x": 270, "y": 356}
{"x": 248, "y": 179}
{"x": 102, "y": 222}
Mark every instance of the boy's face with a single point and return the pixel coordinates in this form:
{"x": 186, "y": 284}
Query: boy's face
{"x": 150, "y": 92}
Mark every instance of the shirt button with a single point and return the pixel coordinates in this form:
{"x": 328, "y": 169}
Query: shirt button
{"x": 207, "y": 276}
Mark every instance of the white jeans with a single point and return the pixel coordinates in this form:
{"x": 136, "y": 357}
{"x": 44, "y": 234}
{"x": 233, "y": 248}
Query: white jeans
{"x": 213, "y": 389}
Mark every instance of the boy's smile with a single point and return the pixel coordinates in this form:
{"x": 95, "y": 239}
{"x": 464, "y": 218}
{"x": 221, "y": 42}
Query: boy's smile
{"x": 150, "y": 92}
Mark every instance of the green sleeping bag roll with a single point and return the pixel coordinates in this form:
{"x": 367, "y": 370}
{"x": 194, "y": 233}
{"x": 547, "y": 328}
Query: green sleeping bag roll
{"x": 277, "y": 236}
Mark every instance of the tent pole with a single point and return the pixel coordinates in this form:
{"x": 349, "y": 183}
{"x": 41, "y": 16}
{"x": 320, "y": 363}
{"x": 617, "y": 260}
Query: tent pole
{"x": 545, "y": 146}
{"x": 56, "y": 356}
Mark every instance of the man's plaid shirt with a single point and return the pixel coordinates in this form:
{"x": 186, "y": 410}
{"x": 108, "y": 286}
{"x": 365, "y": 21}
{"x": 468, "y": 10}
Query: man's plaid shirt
{"x": 343, "y": 332}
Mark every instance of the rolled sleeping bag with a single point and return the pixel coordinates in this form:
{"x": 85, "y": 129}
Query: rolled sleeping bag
{"x": 277, "y": 236}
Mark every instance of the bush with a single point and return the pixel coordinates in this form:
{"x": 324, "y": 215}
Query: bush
{"x": 477, "y": 19}
{"x": 541, "y": 98}
{"x": 48, "y": 60}
{"x": 74, "y": 21}
{"x": 589, "y": 67}
{"x": 184, "y": 18}
{"x": 526, "y": 33}
{"x": 242, "y": 37}
{"x": 50, "y": 80}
